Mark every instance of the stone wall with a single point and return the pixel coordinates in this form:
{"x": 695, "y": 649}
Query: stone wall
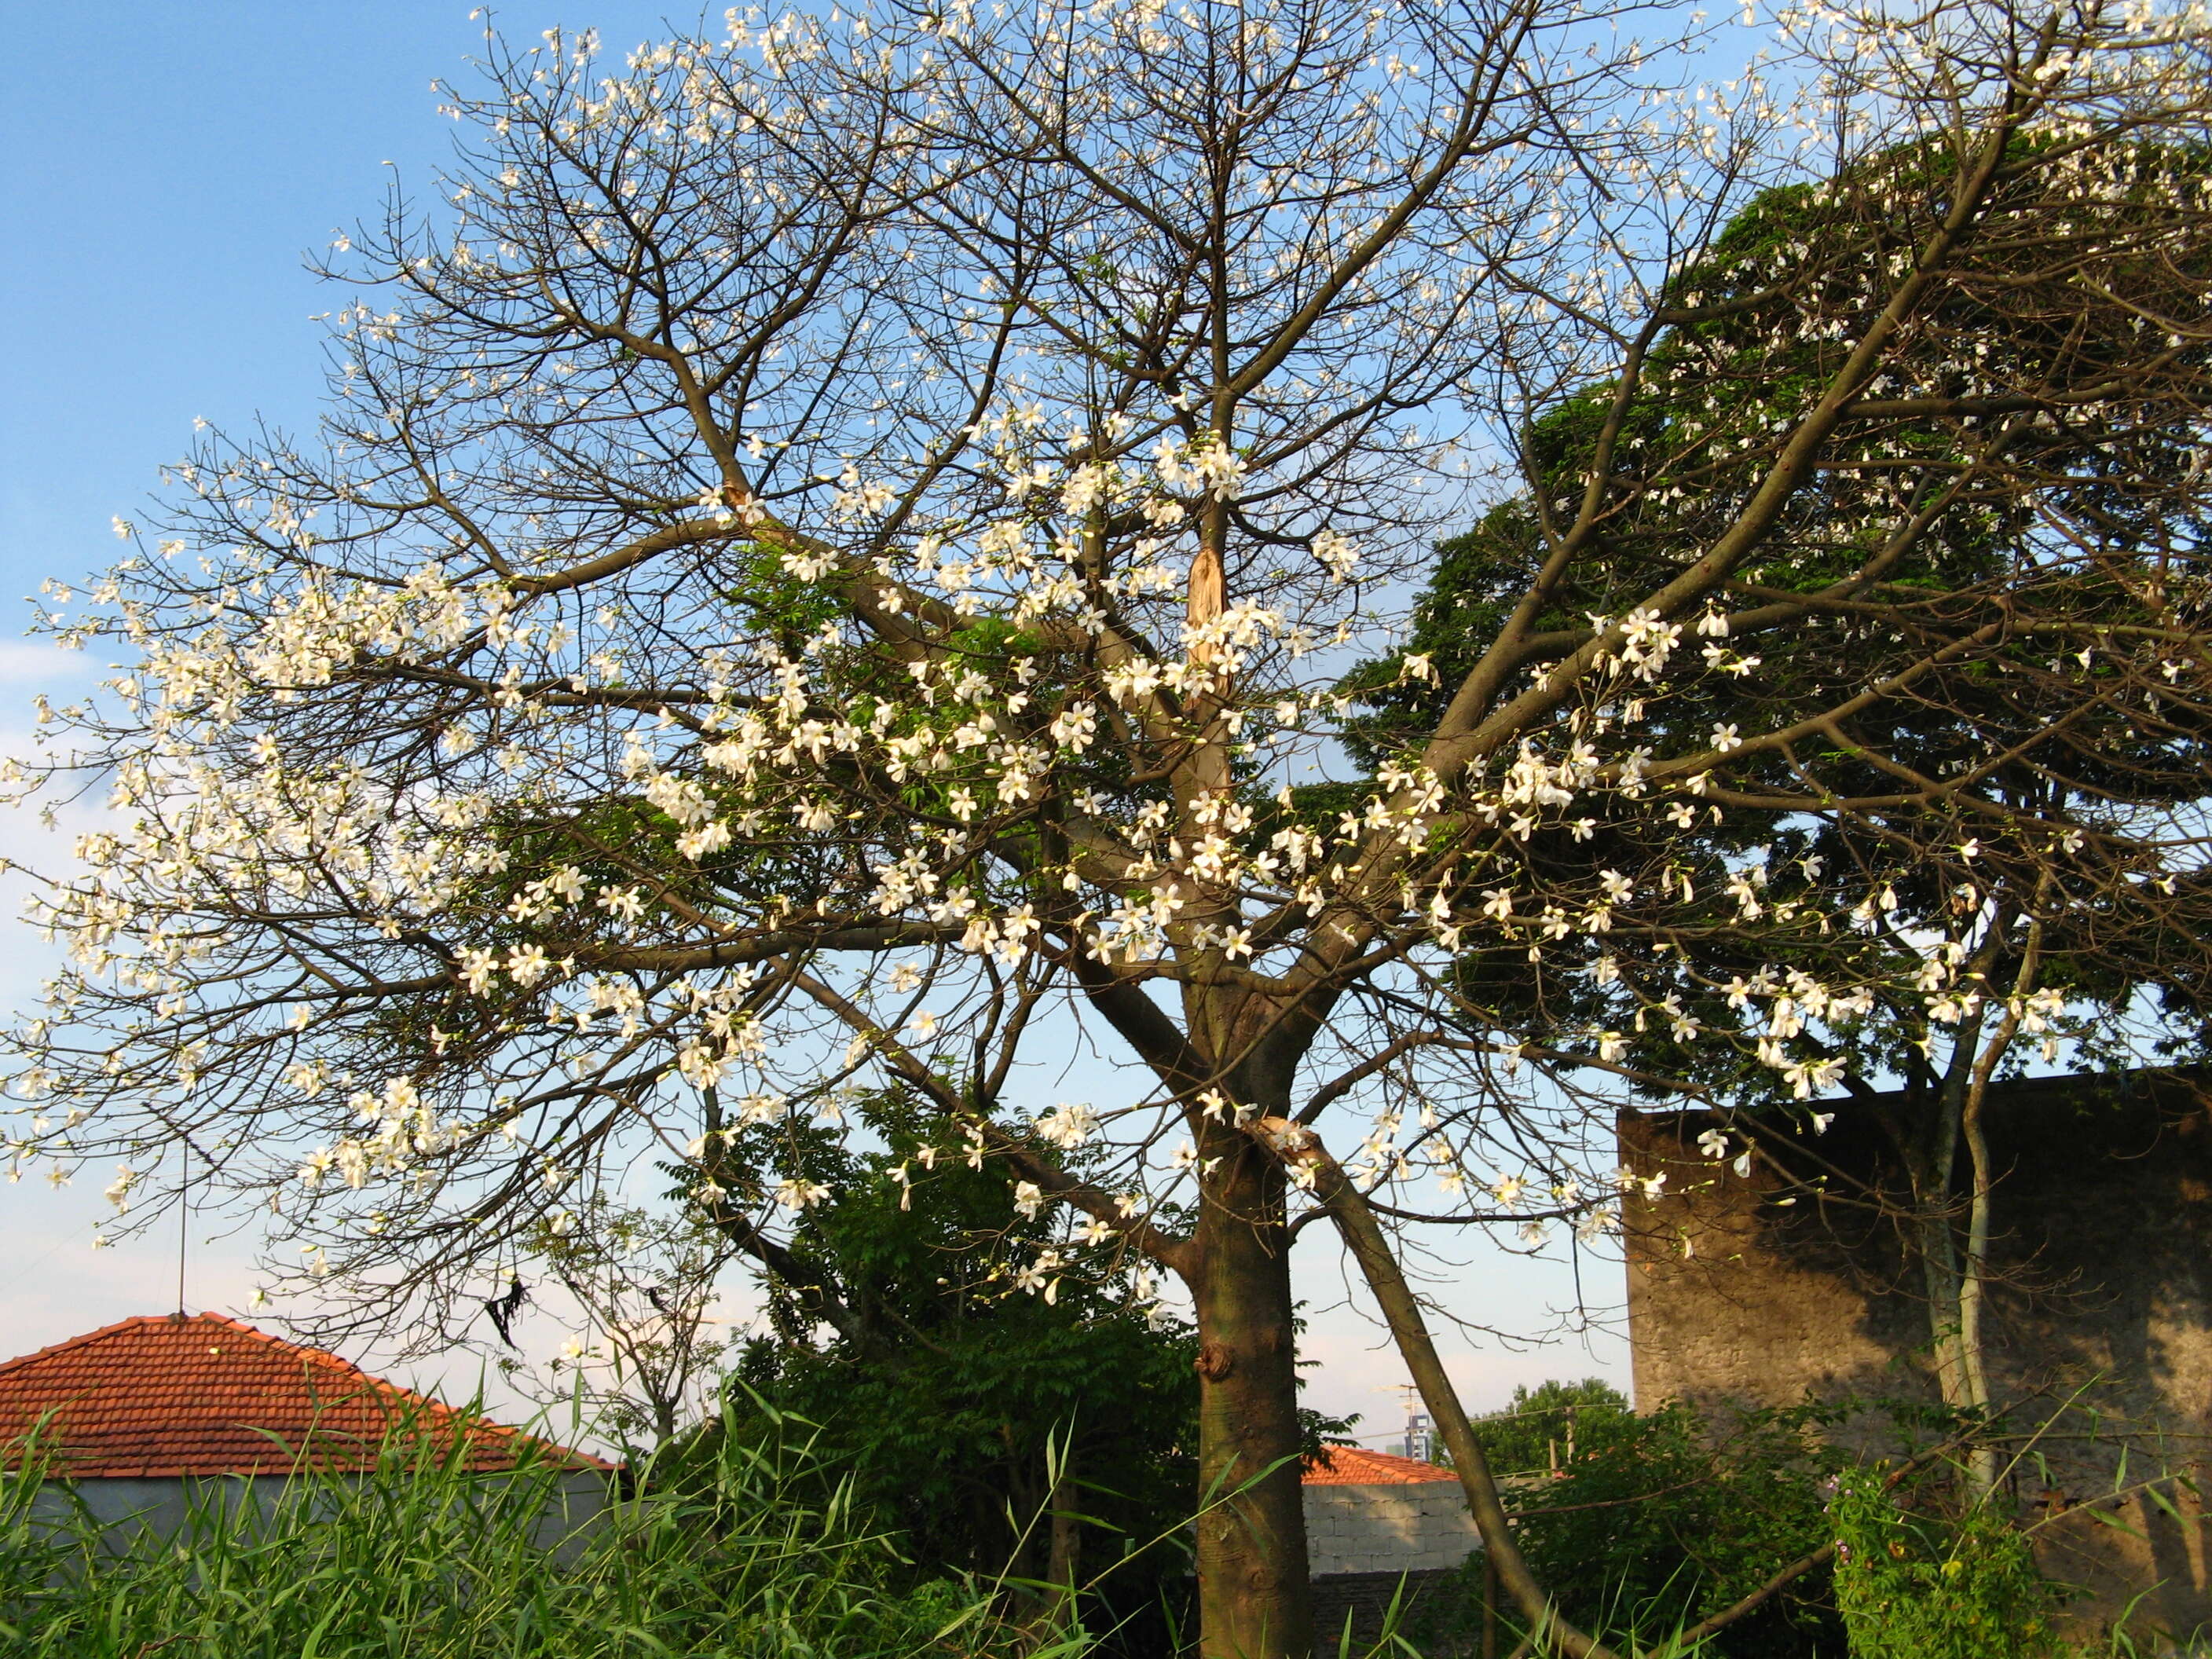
{"x": 1793, "y": 1282}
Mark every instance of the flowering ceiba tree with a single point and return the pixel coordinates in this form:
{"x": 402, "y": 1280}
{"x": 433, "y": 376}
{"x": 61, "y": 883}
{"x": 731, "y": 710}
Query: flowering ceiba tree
{"x": 830, "y": 564}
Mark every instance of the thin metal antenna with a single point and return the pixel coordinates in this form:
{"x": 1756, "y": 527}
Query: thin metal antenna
{"x": 184, "y": 1217}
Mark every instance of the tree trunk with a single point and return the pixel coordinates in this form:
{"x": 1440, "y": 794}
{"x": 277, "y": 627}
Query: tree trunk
{"x": 1063, "y": 1563}
{"x": 1972, "y": 1299}
{"x": 1982, "y": 1461}
{"x": 1931, "y": 1165}
{"x": 1254, "y": 1601}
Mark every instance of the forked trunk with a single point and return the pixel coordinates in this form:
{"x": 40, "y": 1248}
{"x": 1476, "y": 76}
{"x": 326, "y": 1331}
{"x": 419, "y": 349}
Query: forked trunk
{"x": 1253, "y": 1598}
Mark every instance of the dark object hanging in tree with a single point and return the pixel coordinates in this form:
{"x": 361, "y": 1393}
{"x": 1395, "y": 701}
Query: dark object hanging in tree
{"x": 502, "y": 1309}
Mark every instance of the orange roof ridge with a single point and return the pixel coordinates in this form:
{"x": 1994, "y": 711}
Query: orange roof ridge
{"x": 154, "y": 1396}
{"x": 67, "y": 1343}
{"x": 1355, "y": 1466}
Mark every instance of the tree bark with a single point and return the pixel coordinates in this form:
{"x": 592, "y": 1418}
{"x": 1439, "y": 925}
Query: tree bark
{"x": 1253, "y": 1600}
{"x": 1064, "y": 1559}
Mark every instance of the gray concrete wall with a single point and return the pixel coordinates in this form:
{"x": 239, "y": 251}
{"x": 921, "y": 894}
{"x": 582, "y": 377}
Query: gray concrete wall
{"x": 1764, "y": 1290}
{"x": 1416, "y": 1527}
{"x": 167, "y": 1506}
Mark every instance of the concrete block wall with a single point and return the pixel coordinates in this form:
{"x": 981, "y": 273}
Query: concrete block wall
{"x": 1419, "y": 1527}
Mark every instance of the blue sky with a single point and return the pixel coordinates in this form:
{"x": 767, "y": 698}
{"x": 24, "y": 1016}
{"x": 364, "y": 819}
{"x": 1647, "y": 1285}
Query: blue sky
{"x": 171, "y": 167}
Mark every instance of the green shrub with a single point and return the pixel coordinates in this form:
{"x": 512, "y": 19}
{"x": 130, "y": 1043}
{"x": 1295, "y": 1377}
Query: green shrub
{"x": 1655, "y": 1521}
{"x": 1915, "y": 1583}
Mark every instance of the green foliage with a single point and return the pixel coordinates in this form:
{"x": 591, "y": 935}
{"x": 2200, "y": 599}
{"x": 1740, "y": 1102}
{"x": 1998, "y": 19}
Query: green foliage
{"x": 983, "y": 1348}
{"x": 746, "y": 1560}
{"x": 1914, "y": 1583}
{"x": 1547, "y": 1426}
{"x": 1655, "y": 1523}
{"x": 954, "y": 1391}
{"x": 1659, "y": 1520}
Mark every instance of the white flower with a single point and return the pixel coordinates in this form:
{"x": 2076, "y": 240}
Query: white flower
{"x": 799, "y": 1195}
{"x": 1067, "y": 1126}
{"x": 1029, "y": 1198}
{"x": 118, "y": 1190}
{"x": 528, "y": 963}
{"x": 1338, "y": 555}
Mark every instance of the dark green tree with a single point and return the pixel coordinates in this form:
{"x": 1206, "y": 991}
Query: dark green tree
{"x": 1918, "y": 723}
{"x": 1541, "y": 1428}
{"x": 1042, "y": 1432}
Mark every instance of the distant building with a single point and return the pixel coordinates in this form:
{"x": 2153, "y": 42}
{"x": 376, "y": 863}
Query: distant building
{"x": 1379, "y": 1527}
{"x": 1369, "y": 1511}
{"x": 144, "y": 1416}
{"x": 1793, "y": 1281}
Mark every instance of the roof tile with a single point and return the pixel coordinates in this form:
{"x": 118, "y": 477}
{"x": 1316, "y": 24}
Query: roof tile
{"x": 1355, "y": 1466}
{"x": 204, "y": 1394}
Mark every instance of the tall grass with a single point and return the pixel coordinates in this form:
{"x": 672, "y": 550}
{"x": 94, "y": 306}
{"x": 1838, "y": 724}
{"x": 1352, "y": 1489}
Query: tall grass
{"x": 420, "y": 1558}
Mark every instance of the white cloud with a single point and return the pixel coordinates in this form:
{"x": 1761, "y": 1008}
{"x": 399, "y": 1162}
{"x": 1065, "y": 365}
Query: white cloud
{"x": 43, "y": 667}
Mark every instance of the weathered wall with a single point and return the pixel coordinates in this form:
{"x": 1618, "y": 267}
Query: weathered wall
{"x": 1790, "y": 1283}
{"x": 1413, "y": 1526}
{"x": 1362, "y": 1604}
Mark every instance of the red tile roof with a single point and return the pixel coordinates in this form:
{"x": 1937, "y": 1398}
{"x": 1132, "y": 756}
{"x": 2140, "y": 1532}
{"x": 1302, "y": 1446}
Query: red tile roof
{"x": 1354, "y": 1465}
{"x": 200, "y": 1395}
